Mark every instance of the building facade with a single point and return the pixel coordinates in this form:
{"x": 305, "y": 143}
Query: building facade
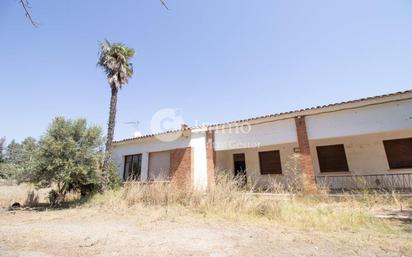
{"x": 333, "y": 144}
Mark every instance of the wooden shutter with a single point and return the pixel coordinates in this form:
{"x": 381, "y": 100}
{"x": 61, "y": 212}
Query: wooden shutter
{"x": 399, "y": 153}
{"x": 159, "y": 166}
{"x": 332, "y": 158}
{"x": 270, "y": 162}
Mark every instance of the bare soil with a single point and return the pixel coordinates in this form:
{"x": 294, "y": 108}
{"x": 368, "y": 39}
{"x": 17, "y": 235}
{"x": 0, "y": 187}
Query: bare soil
{"x": 152, "y": 232}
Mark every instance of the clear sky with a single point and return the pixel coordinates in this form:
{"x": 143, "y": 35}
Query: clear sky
{"x": 214, "y": 60}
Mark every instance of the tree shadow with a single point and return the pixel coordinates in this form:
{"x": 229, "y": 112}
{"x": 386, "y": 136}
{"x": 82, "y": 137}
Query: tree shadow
{"x": 43, "y": 206}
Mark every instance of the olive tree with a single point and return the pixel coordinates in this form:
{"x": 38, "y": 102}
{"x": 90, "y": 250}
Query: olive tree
{"x": 68, "y": 158}
{"x": 18, "y": 159}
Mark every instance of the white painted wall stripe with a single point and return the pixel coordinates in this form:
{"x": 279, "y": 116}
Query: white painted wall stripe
{"x": 372, "y": 119}
{"x": 198, "y": 144}
{"x": 272, "y": 133}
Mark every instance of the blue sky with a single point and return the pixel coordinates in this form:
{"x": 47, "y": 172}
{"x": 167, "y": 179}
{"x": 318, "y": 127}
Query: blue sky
{"x": 212, "y": 60}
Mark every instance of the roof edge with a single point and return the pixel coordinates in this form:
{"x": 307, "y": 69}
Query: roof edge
{"x": 357, "y": 103}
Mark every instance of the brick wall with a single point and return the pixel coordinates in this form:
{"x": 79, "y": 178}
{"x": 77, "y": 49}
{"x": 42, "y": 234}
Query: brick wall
{"x": 305, "y": 156}
{"x": 210, "y": 157}
{"x": 181, "y": 166}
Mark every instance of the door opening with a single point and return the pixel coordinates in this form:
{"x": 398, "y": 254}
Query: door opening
{"x": 240, "y": 167}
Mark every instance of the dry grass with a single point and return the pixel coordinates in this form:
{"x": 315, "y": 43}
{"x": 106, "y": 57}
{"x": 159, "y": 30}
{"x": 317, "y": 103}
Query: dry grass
{"x": 150, "y": 231}
{"x": 227, "y": 200}
{"x": 261, "y": 222}
{"x": 24, "y": 194}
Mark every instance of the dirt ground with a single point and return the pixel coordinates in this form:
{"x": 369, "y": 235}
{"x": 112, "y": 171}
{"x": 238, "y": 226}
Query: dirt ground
{"x": 91, "y": 232}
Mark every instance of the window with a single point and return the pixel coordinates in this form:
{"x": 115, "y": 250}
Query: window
{"x": 332, "y": 158}
{"x": 270, "y": 162}
{"x": 399, "y": 153}
{"x": 132, "y": 167}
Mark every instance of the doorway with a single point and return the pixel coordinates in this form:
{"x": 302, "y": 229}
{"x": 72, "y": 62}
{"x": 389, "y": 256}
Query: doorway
{"x": 240, "y": 167}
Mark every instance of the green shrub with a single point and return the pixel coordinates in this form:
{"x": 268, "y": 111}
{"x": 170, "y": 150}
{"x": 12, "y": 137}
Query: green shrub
{"x": 9, "y": 171}
{"x": 68, "y": 157}
{"x": 115, "y": 181}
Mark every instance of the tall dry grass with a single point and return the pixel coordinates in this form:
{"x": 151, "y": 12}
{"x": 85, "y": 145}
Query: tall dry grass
{"x": 25, "y": 194}
{"x": 227, "y": 200}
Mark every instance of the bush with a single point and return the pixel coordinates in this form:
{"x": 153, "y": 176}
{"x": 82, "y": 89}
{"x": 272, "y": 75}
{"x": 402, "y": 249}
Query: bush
{"x": 115, "y": 181}
{"x": 55, "y": 198}
{"x": 68, "y": 157}
{"x": 18, "y": 159}
{"x": 9, "y": 171}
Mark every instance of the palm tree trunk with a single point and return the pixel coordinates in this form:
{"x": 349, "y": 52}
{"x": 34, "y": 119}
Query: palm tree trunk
{"x": 110, "y": 133}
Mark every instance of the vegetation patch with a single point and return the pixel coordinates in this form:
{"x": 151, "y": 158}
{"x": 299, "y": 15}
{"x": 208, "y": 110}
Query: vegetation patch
{"x": 227, "y": 200}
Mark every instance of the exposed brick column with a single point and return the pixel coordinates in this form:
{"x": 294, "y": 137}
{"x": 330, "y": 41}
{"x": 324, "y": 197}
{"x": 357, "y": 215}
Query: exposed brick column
{"x": 181, "y": 166}
{"x": 305, "y": 156}
{"x": 210, "y": 157}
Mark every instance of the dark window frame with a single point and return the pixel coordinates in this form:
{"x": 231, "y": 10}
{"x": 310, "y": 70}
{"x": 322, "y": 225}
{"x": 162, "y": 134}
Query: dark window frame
{"x": 396, "y": 158}
{"x": 326, "y": 165}
{"x": 138, "y": 174}
{"x": 276, "y": 170}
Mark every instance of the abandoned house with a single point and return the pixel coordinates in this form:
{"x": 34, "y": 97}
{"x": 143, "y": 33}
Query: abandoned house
{"x": 369, "y": 138}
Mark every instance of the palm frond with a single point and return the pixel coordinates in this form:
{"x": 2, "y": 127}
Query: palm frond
{"x": 114, "y": 59}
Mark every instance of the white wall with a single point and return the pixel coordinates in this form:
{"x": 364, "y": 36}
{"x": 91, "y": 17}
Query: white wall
{"x": 197, "y": 140}
{"x": 372, "y": 119}
{"x": 277, "y": 132}
{"x": 365, "y": 153}
{"x": 198, "y": 144}
{"x": 225, "y": 163}
{"x": 360, "y": 130}
{"x": 365, "y": 120}
{"x": 145, "y": 166}
{"x": 144, "y": 147}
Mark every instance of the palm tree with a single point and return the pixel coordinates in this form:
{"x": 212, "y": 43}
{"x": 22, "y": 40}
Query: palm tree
{"x": 114, "y": 59}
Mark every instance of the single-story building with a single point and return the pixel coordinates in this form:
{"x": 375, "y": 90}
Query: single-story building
{"x": 333, "y": 144}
